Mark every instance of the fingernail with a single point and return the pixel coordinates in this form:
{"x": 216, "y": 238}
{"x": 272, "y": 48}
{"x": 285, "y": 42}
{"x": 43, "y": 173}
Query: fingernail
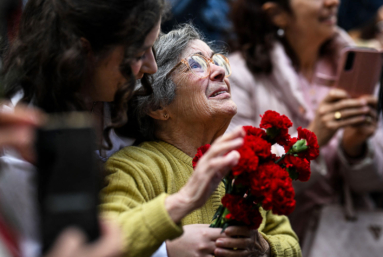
{"x": 363, "y": 101}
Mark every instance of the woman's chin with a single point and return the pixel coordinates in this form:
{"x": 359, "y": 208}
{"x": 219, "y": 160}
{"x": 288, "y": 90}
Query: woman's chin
{"x": 229, "y": 109}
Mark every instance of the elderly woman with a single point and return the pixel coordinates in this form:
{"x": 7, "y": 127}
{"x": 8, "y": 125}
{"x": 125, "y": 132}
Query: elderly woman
{"x": 152, "y": 189}
{"x": 287, "y": 54}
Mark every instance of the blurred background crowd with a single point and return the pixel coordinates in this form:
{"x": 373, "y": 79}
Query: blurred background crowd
{"x": 125, "y": 63}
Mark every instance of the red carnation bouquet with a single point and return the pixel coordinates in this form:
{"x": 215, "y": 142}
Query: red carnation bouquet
{"x": 261, "y": 179}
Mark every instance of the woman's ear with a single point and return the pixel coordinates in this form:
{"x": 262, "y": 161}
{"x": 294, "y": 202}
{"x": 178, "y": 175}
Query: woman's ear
{"x": 160, "y": 114}
{"x": 278, "y": 16}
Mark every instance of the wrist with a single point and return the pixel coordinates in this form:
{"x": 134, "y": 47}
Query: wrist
{"x": 178, "y": 206}
{"x": 354, "y": 151}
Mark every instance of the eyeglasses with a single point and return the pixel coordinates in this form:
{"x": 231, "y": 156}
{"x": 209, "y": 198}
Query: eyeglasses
{"x": 200, "y": 65}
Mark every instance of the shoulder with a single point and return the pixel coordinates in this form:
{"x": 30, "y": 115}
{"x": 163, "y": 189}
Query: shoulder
{"x": 148, "y": 158}
{"x": 147, "y": 153}
{"x": 237, "y": 63}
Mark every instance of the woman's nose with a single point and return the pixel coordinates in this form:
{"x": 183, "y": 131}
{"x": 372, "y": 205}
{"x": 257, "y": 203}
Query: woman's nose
{"x": 331, "y": 2}
{"x": 216, "y": 73}
{"x": 150, "y": 65}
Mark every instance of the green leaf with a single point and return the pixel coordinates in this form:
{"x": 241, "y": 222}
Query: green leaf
{"x": 225, "y": 226}
{"x": 218, "y": 212}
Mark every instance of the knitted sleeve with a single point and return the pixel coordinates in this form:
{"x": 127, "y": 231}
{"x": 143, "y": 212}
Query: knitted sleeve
{"x": 279, "y": 234}
{"x": 130, "y": 198}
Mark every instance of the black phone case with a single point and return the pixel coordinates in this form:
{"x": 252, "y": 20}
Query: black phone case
{"x": 68, "y": 182}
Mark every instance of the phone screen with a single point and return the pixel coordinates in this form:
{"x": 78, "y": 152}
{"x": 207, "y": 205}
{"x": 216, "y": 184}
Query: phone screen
{"x": 68, "y": 181}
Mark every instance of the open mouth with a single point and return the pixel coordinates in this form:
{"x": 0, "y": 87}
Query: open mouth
{"x": 328, "y": 18}
{"x": 218, "y": 93}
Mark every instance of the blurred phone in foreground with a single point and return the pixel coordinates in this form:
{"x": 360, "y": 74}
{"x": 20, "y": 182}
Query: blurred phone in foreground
{"x": 359, "y": 71}
{"x": 68, "y": 177}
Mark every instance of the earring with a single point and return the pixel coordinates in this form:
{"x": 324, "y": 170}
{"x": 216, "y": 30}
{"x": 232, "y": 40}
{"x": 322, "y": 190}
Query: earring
{"x": 165, "y": 115}
{"x": 280, "y": 32}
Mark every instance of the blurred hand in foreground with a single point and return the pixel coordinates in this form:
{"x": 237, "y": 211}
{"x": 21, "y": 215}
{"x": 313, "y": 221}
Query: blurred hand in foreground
{"x": 72, "y": 243}
{"x": 17, "y": 129}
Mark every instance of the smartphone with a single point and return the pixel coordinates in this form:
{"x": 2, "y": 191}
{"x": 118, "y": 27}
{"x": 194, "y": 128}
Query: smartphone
{"x": 359, "y": 70}
{"x": 68, "y": 177}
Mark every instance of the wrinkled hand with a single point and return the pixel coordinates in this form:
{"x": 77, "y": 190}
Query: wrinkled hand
{"x": 17, "y": 129}
{"x": 72, "y": 243}
{"x": 354, "y": 137}
{"x": 197, "y": 240}
{"x": 353, "y": 112}
{"x": 210, "y": 170}
{"x": 241, "y": 242}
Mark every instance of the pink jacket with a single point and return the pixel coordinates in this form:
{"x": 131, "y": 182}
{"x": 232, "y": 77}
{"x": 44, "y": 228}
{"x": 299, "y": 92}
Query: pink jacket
{"x": 286, "y": 92}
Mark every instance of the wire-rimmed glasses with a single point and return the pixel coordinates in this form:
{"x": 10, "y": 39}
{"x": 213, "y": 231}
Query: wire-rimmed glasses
{"x": 200, "y": 65}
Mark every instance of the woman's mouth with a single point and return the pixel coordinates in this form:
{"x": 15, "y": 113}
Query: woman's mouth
{"x": 220, "y": 93}
{"x": 330, "y": 19}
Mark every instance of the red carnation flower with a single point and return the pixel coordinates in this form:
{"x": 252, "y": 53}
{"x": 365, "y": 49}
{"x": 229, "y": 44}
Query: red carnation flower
{"x": 248, "y": 161}
{"x": 200, "y": 152}
{"x": 272, "y": 119}
{"x": 261, "y": 180}
{"x": 312, "y": 143}
{"x": 274, "y": 186}
{"x": 277, "y": 126}
{"x": 260, "y": 147}
{"x": 282, "y": 191}
{"x": 298, "y": 165}
{"x": 240, "y": 209}
{"x": 253, "y": 131}
{"x": 283, "y": 197}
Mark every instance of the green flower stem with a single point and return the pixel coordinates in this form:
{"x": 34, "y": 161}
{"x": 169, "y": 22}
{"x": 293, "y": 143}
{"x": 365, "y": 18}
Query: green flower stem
{"x": 218, "y": 221}
{"x": 280, "y": 159}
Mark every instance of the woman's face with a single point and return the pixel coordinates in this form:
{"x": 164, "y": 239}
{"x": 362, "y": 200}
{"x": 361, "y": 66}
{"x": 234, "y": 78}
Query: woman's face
{"x": 196, "y": 98}
{"x": 316, "y": 19}
{"x": 144, "y": 61}
{"x": 107, "y": 77}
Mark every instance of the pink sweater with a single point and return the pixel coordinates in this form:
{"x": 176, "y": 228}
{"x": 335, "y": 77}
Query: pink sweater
{"x": 289, "y": 93}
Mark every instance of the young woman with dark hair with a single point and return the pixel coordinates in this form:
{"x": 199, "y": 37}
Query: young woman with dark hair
{"x": 91, "y": 52}
{"x": 75, "y": 55}
{"x": 287, "y": 53}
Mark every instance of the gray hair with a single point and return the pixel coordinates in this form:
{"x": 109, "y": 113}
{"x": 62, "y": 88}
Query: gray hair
{"x": 168, "y": 49}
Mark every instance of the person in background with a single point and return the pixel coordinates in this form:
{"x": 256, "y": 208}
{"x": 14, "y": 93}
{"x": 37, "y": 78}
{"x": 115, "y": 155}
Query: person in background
{"x": 286, "y": 57}
{"x": 363, "y": 20}
{"x": 152, "y": 188}
{"x": 66, "y": 58}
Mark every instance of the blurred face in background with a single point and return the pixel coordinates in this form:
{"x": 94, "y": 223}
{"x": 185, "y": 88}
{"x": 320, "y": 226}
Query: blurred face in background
{"x": 314, "y": 19}
{"x": 144, "y": 61}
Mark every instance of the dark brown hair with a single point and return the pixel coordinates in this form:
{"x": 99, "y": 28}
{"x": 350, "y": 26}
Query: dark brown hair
{"x": 48, "y": 62}
{"x": 256, "y": 35}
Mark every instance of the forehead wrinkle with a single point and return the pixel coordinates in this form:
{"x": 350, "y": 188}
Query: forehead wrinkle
{"x": 197, "y": 48}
